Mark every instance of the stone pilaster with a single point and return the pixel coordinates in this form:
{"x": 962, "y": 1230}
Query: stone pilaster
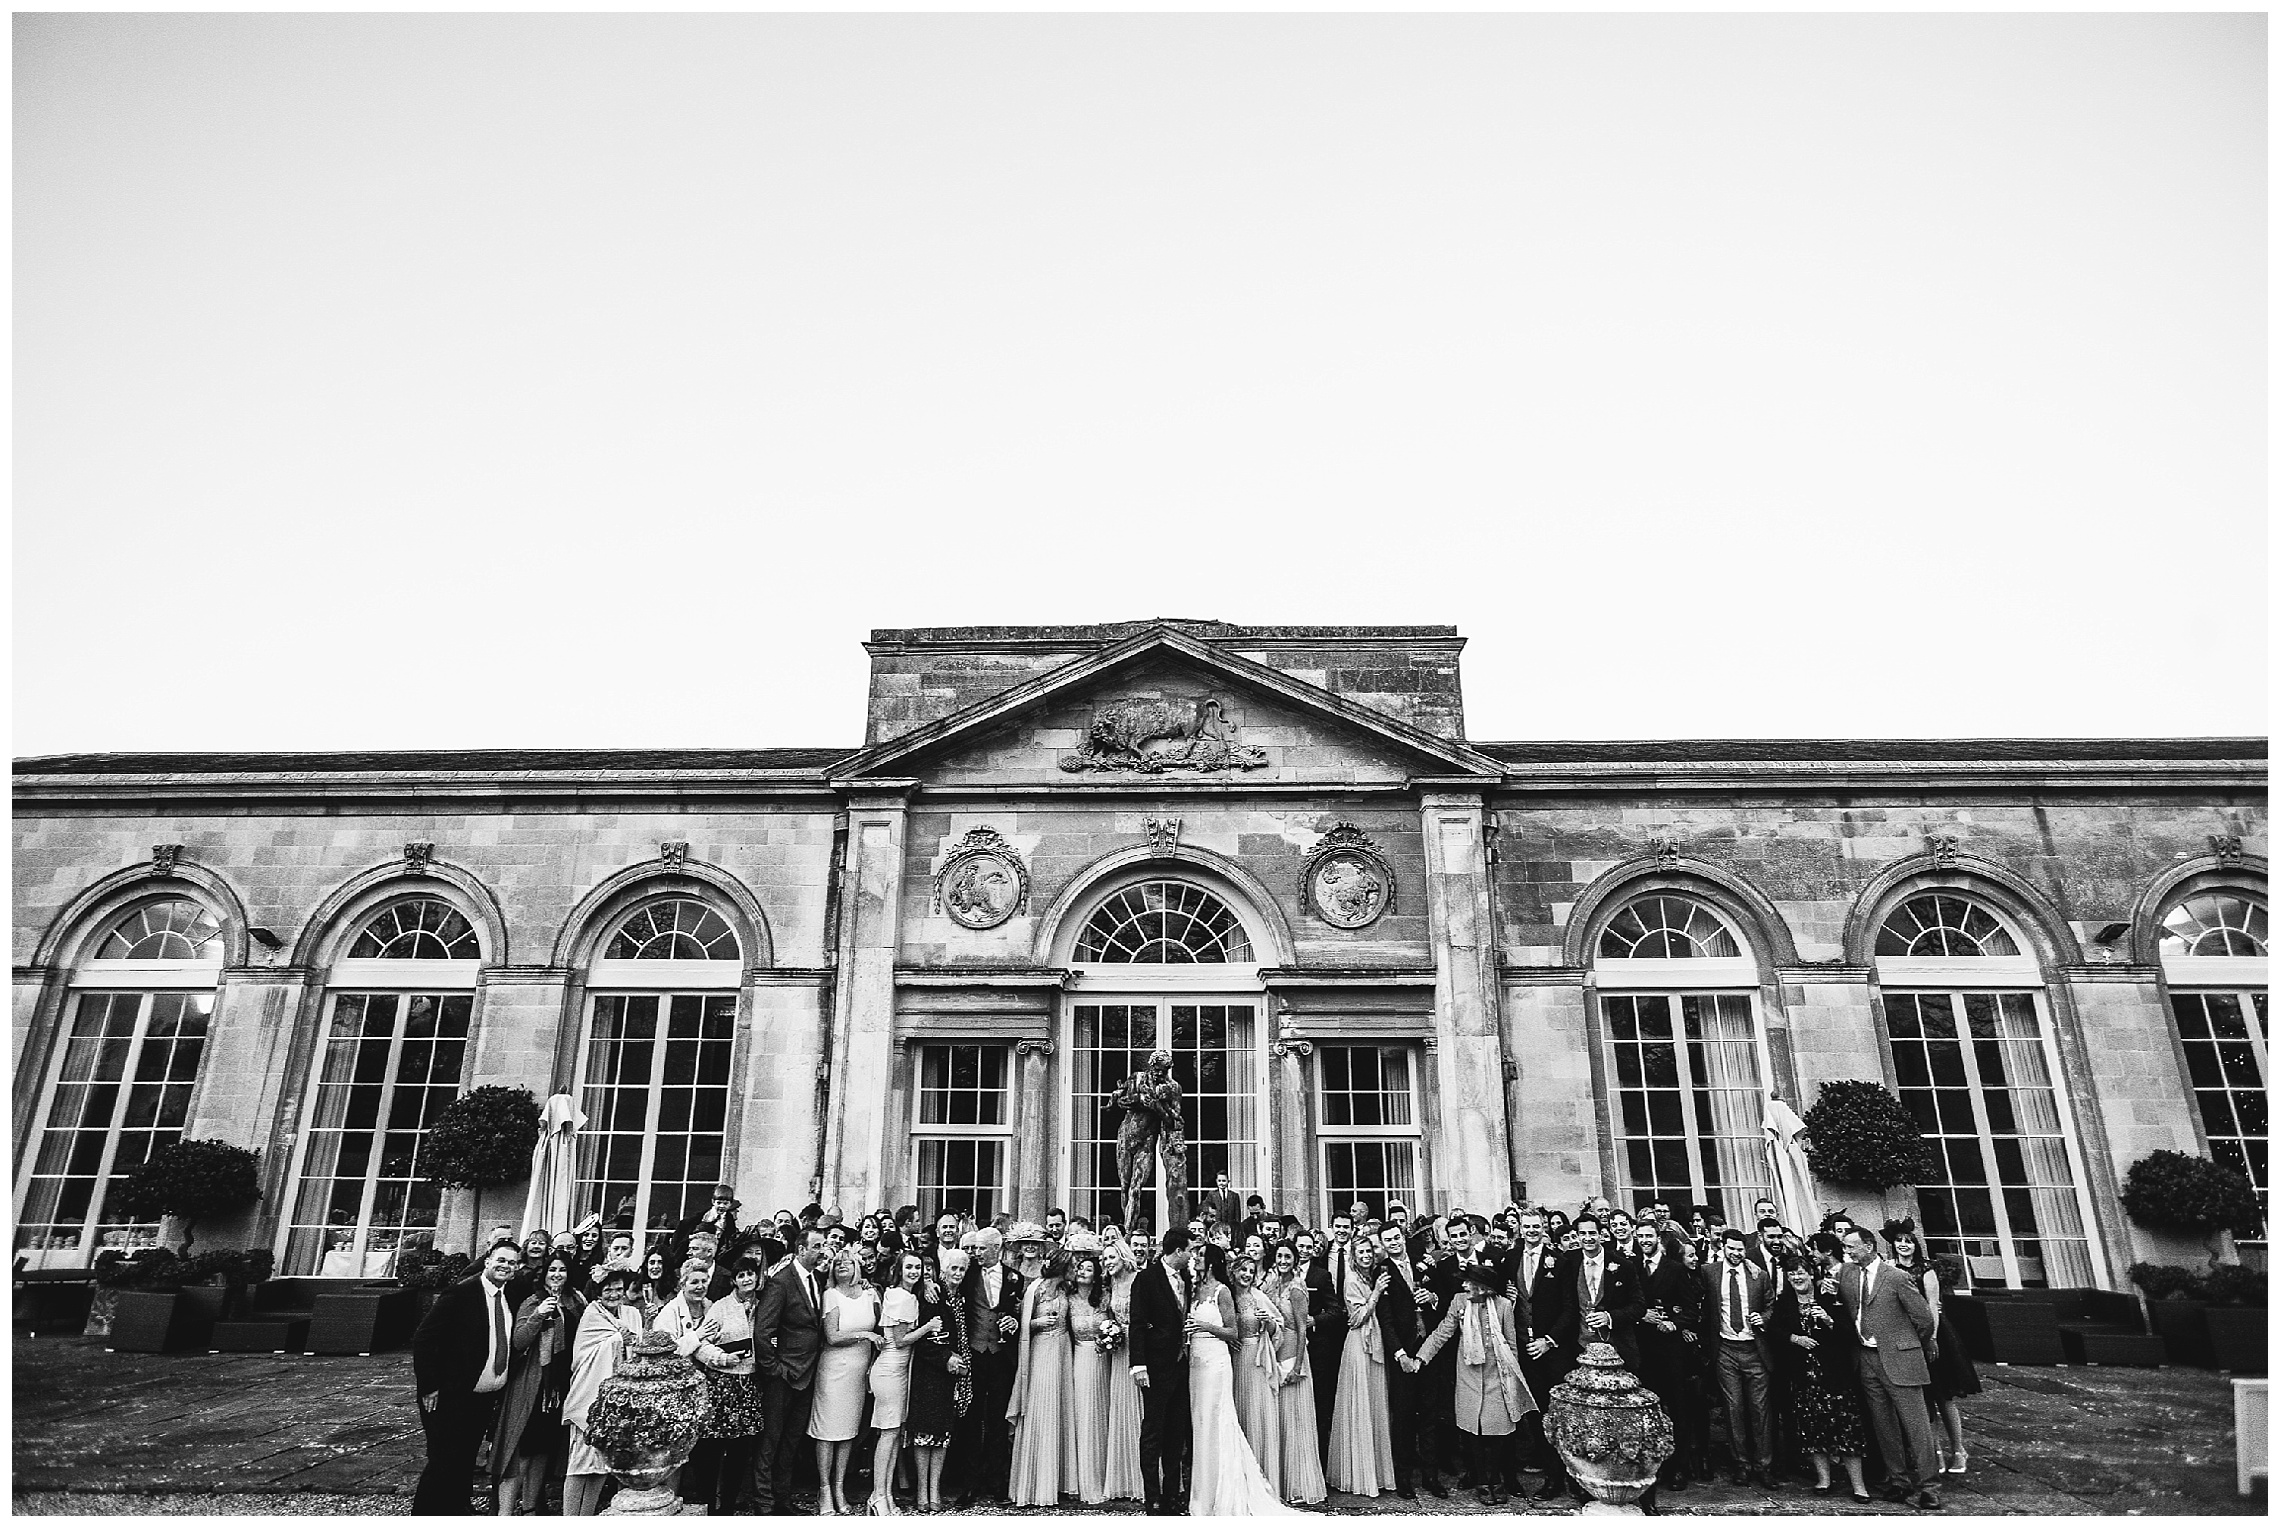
{"x": 1036, "y": 1143}
{"x": 1296, "y": 1190}
{"x": 1473, "y": 1153}
{"x": 855, "y": 1170}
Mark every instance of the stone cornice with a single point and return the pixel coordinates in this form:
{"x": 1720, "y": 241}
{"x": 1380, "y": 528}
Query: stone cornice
{"x": 1274, "y": 977}
{"x": 804, "y": 787}
{"x": 1855, "y": 776}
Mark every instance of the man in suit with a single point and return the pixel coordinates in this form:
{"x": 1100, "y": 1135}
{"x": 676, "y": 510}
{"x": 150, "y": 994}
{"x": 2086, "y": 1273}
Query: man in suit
{"x": 1547, "y": 1346}
{"x": 1736, "y": 1295}
{"x": 719, "y": 1218}
{"x": 982, "y": 1444}
{"x": 1666, "y": 1330}
{"x": 1608, "y": 1299}
{"x": 1398, "y": 1330}
{"x": 459, "y": 1366}
{"x": 1158, "y": 1343}
{"x": 787, "y": 1334}
{"x": 1224, "y": 1206}
{"x": 1326, "y": 1325}
{"x": 1440, "y": 1285}
{"x": 1897, "y": 1340}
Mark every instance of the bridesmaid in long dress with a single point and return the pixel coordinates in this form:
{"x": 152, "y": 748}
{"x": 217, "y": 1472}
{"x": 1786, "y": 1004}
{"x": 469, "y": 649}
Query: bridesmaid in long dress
{"x": 1258, "y": 1322}
{"x": 1041, "y": 1400}
{"x": 1089, "y": 1369}
{"x": 1120, "y": 1265}
{"x": 1302, "y": 1480}
{"x": 1361, "y": 1429}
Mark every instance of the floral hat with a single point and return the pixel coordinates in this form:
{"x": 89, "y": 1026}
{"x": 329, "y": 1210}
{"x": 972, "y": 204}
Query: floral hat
{"x": 1025, "y": 1231}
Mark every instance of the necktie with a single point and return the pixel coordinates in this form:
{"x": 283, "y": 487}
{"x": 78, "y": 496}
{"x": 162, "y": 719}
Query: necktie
{"x": 1860, "y": 1316}
{"x": 1734, "y": 1321}
{"x": 498, "y": 1364}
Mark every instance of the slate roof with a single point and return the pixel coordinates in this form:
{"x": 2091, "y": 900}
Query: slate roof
{"x": 482, "y": 760}
{"x": 2029, "y": 750}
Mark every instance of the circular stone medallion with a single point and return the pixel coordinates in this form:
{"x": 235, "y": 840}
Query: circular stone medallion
{"x": 981, "y": 889}
{"x": 1347, "y": 888}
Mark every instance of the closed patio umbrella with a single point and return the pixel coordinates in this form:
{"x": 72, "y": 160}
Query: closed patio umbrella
{"x": 1792, "y": 1177}
{"x": 554, "y": 1167}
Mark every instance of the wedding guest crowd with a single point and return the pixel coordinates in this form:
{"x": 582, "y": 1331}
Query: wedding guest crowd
{"x": 1239, "y": 1364}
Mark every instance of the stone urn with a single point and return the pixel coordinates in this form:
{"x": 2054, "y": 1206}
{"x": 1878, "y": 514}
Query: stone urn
{"x": 644, "y": 1421}
{"x": 1611, "y": 1432}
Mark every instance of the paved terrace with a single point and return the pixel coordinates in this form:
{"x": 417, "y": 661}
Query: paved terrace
{"x": 236, "y": 1433}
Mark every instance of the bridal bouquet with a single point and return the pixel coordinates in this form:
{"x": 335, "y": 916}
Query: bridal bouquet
{"x": 1110, "y": 1334}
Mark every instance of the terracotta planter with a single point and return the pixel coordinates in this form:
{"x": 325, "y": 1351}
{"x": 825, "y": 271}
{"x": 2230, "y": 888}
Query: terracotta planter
{"x": 2237, "y": 1336}
{"x": 1610, "y": 1431}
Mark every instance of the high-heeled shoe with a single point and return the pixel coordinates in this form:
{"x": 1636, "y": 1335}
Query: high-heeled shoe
{"x": 1962, "y": 1458}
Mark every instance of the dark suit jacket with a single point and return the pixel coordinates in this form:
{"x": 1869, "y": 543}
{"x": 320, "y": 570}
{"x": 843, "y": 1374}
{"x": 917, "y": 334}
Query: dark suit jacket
{"x": 1441, "y": 1277}
{"x": 1759, "y": 1289}
{"x": 1157, "y": 1339}
{"x": 1399, "y": 1328}
{"x": 1325, "y": 1305}
{"x": 787, "y": 1331}
{"x": 1671, "y": 1288}
{"x": 453, "y": 1340}
{"x": 1228, "y": 1207}
{"x": 982, "y": 1318}
{"x": 1620, "y": 1296}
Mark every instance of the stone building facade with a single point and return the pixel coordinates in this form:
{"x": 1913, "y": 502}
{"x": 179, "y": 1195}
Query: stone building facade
{"x": 1389, "y": 961}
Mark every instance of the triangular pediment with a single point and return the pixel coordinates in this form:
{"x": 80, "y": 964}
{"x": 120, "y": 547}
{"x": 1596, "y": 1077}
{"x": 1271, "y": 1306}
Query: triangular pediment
{"x": 1164, "y": 707}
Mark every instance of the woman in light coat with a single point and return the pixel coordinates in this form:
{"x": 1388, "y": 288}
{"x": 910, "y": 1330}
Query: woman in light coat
{"x": 611, "y": 1321}
{"x": 1492, "y": 1392}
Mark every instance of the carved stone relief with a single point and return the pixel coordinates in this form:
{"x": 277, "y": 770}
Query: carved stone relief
{"x": 983, "y": 882}
{"x": 1347, "y": 882}
{"x": 1151, "y": 736}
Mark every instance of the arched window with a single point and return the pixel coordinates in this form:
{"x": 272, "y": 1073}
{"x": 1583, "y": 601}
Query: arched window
{"x": 1163, "y": 923}
{"x": 1972, "y": 1051}
{"x": 175, "y": 929}
{"x": 399, "y": 1006}
{"x": 2214, "y": 948}
{"x": 424, "y": 928}
{"x": 123, "y": 1077}
{"x": 682, "y": 929}
{"x": 1943, "y": 926}
{"x": 653, "y": 1075}
{"x": 1667, "y": 928}
{"x": 1677, "y": 996}
{"x": 2221, "y": 923}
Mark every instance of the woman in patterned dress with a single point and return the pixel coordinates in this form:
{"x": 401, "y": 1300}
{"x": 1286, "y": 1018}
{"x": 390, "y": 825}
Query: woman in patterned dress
{"x": 722, "y": 1353}
{"x": 941, "y": 1380}
{"x": 1041, "y": 1401}
{"x": 1120, "y": 1265}
{"x": 1089, "y": 1368}
{"x": 1814, "y": 1344}
{"x": 1302, "y": 1480}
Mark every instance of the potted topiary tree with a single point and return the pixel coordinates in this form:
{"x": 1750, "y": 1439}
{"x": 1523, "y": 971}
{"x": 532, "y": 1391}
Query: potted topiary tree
{"x": 2174, "y": 1191}
{"x": 160, "y": 1299}
{"x": 1857, "y": 1134}
{"x": 482, "y": 1139}
{"x": 190, "y": 1179}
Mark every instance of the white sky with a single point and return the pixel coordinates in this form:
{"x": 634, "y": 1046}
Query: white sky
{"x": 417, "y": 381}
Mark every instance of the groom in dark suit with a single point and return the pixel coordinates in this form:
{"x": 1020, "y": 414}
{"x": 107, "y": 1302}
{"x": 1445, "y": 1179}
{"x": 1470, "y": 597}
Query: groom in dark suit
{"x": 787, "y": 1334}
{"x": 1158, "y": 1341}
{"x": 1402, "y": 1334}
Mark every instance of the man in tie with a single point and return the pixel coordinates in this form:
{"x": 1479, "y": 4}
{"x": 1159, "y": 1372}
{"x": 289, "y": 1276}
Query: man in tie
{"x": 459, "y": 1366}
{"x": 1739, "y": 1291}
{"x": 1547, "y": 1348}
{"x": 1666, "y": 1331}
{"x": 1607, "y": 1292}
{"x": 1402, "y": 1334}
{"x": 1897, "y": 1340}
{"x": 1321, "y": 1267}
{"x": 787, "y": 1334}
{"x": 1158, "y": 1343}
{"x": 982, "y": 1447}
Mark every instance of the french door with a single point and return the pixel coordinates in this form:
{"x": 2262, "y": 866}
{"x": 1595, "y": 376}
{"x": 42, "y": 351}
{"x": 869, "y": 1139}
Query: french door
{"x": 1214, "y": 1047}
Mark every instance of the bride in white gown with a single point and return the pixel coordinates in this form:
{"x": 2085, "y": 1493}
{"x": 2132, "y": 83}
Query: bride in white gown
{"x": 1224, "y": 1479}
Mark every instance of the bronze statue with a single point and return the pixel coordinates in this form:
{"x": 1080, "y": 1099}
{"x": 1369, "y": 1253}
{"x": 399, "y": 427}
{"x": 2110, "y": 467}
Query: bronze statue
{"x": 1151, "y": 1104}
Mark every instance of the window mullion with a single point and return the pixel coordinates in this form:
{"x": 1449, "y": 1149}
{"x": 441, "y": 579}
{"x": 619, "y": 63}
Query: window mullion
{"x": 101, "y": 1197}
{"x": 396, "y": 1027}
{"x": 1966, "y": 1043}
{"x": 1688, "y": 1120}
